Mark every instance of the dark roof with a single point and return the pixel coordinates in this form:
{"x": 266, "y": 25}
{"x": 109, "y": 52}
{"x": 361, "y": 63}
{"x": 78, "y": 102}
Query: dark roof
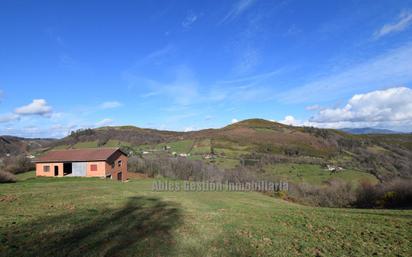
{"x": 79, "y": 155}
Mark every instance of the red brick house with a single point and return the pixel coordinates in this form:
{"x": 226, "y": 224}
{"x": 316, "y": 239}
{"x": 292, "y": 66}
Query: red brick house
{"x": 97, "y": 162}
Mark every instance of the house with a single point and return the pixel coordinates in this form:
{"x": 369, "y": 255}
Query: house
{"x": 98, "y": 162}
{"x": 333, "y": 168}
{"x": 208, "y": 156}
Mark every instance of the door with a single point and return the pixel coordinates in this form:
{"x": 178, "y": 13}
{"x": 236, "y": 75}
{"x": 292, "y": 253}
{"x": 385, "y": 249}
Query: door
{"x": 119, "y": 176}
{"x": 56, "y": 171}
{"x": 79, "y": 169}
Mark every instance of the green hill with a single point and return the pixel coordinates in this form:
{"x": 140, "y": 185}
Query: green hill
{"x": 263, "y": 142}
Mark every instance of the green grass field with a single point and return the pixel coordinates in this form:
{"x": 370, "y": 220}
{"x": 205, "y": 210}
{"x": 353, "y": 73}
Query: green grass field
{"x": 87, "y": 144}
{"x": 182, "y": 146}
{"x": 95, "y": 217}
{"x": 93, "y": 144}
{"x": 314, "y": 174}
{"x": 201, "y": 147}
{"x": 226, "y": 162}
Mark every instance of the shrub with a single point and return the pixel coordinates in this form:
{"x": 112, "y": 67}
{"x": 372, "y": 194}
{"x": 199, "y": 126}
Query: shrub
{"x": 281, "y": 194}
{"x": 239, "y": 175}
{"x": 333, "y": 194}
{"x": 178, "y": 168}
{"x": 398, "y": 194}
{"x": 18, "y": 164}
{"x": 393, "y": 194}
{"x": 7, "y": 177}
{"x": 366, "y": 195}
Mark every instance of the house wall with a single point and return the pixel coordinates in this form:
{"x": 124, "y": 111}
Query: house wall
{"x": 40, "y": 171}
{"x": 113, "y": 171}
{"x": 79, "y": 169}
{"x": 101, "y": 169}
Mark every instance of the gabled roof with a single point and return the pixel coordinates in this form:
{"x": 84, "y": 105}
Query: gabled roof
{"x": 78, "y": 155}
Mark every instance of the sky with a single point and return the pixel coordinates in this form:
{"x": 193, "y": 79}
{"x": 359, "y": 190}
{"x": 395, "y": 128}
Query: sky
{"x": 189, "y": 65}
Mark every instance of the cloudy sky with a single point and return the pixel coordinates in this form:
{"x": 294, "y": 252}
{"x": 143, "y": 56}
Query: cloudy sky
{"x": 188, "y": 65}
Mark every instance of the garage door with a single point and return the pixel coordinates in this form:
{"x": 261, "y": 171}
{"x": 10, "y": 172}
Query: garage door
{"x": 79, "y": 169}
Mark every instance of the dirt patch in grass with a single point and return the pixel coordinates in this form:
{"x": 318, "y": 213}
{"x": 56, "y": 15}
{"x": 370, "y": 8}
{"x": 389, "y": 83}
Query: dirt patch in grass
{"x": 136, "y": 175}
{"x": 8, "y": 198}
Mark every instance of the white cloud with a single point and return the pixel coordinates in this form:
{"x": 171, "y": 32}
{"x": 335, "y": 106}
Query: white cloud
{"x": 36, "y": 107}
{"x": 190, "y": 18}
{"x": 255, "y": 79}
{"x": 247, "y": 60}
{"x": 312, "y": 107}
{"x": 390, "y": 108}
{"x": 404, "y": 20}
{"x": 183, "y": 90}
{"x": 8, "y": 117}
{"x": 244, "y": 88}
{"x": 31, "y": 131}
{"x": 57, "y": 115}
{"x": 104, "y": 122}
{"x": 393, "y": 104}
{"x": 155, "y": 57}
{"x": 293, "y": 30}
{"x": 234, "y": 120}
{"x": 27, "y": 131}
{"x": 58, "y": 130}
{"x": 290, "y": 120}
{"x": 110, "y": 105}
{"x": 208, "y": 117}
{"x": 238, "y": 8}
{"x": 67, "y": 61}
{"x": 188, "y": 129}
{"x": 391, "y": 68}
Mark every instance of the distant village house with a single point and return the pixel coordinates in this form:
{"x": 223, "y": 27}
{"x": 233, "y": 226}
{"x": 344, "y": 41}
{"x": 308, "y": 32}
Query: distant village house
{"x": 99, "y": 162}
{"x": 333, "y": 168}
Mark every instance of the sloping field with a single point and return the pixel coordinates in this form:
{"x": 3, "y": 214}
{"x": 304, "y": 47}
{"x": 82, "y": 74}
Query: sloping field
{"x": 94, "y": 217}
{"x": 314, "y": 174}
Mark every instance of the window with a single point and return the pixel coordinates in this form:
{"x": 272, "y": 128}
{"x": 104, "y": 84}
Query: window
{"x": 46, "y": 168}
{"x": 113, "y": 165}
{"x": 119, "y": 163}
{"x": 93, "y": 167}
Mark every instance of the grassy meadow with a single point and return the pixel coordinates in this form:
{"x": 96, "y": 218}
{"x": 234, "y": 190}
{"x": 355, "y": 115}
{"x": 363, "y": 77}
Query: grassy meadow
{"x": 95, "y": 217}
{"x": 316, "y": 175}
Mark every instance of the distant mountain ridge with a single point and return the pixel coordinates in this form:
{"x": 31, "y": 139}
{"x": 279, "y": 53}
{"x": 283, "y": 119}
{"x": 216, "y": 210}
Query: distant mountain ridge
{"x": 368, "y": 130}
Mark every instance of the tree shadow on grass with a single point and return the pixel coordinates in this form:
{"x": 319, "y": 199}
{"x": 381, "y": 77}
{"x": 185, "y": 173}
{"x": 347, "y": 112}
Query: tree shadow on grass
{"x": 143, "y": 227}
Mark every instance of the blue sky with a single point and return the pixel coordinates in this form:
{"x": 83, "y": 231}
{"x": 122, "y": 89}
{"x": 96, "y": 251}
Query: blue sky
{"x": 188, "y": 65}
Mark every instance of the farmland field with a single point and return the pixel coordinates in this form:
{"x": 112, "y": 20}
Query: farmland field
{"x": 314, "y": 174}
{"x": 94, "y": 217}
